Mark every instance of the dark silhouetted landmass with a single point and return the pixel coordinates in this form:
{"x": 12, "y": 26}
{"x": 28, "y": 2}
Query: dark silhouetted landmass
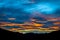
{"x": 15, "y": 35}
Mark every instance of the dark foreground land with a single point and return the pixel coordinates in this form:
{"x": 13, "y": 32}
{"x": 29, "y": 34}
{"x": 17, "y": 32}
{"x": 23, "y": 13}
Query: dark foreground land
{"x": 17, "y": 36}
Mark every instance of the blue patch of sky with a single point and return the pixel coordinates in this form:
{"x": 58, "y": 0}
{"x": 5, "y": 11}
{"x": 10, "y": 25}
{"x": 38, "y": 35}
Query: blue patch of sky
{"x": 12, "y": 8}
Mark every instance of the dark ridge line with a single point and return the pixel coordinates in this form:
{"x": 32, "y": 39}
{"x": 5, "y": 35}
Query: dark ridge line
{"x": 16, "y": 35}
{"x": 2, "y": 30}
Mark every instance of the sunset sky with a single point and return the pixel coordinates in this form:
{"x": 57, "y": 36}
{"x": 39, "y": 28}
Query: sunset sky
{"x": 23, "y": 10}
